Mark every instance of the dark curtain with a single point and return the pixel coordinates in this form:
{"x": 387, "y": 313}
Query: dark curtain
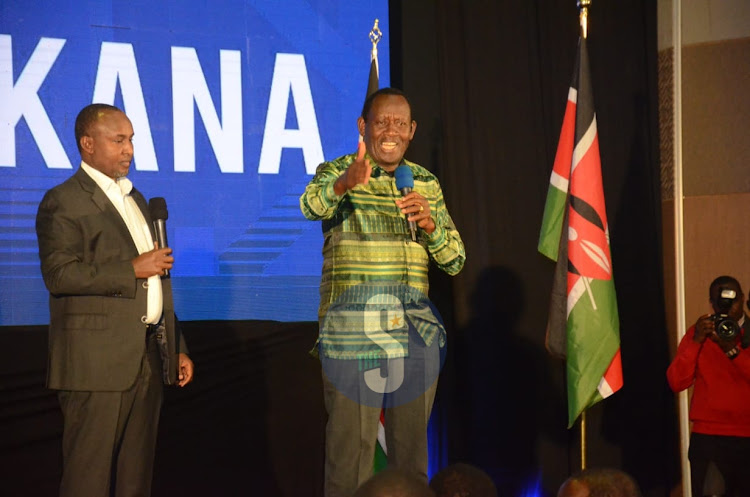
{"x": 489, "y": 83}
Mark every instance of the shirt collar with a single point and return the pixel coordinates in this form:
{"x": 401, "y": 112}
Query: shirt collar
{"x": 375, "y": 165}
{"x": 124, "y": 185}
{"x": 101, "y": 179}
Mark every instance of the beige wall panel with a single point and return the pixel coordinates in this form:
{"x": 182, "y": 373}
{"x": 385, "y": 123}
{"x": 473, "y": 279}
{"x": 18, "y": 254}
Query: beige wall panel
{"x": 664, "y": 10}
{"x": 716, "y": 118}
{"x": 717, "y": 235}
{"x": 712, "y": 20}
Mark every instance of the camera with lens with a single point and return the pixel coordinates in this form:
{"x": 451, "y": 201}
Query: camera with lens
{"x": 726, "y": 327}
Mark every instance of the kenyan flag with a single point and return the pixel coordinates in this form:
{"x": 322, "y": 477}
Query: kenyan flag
{"x": 583, "y": 321}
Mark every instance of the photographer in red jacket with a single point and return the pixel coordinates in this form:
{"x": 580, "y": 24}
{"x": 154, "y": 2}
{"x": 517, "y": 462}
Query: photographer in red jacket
{"x": 712, "y": 358}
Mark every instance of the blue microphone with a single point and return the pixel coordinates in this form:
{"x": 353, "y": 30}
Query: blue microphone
{"x": 405, "y": 184}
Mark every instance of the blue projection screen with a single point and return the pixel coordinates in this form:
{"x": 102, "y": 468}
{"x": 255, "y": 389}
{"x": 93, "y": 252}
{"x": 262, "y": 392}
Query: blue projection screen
{"x": 233, "y": 103}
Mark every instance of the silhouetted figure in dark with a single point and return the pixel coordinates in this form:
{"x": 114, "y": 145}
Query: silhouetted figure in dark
{"x": 600, "y": 482}
{"x": 393, "y": 482}
{"x": 460, "y": 479}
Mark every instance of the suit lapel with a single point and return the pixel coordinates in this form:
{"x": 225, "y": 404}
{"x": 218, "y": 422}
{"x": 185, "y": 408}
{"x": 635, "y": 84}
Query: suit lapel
{"x": 100, "y": 199}
{"x": 140, "y": 201}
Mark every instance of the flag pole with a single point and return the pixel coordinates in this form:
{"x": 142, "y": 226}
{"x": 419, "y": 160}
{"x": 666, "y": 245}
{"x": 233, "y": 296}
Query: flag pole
{"x": 583, "y": 6}
{"x": 375, "y": 36}
{"x": 373, "y": 79}
{"x": 583, "y": 19}
{"x": 583, "y": 439}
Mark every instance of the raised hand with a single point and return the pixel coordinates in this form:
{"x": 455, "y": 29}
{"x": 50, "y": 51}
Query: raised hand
{"x": 358, "y": 172}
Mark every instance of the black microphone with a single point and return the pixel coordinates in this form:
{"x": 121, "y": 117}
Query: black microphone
{"x": 157, "y": 207}
{"x": 405, "y": 184}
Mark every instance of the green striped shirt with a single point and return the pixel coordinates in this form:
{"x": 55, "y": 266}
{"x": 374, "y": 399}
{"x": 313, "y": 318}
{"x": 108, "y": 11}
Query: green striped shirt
{"x": 366, "y": 238}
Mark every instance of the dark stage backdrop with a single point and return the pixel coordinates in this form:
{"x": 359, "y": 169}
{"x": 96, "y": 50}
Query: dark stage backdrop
{"x": 488, "y": 82}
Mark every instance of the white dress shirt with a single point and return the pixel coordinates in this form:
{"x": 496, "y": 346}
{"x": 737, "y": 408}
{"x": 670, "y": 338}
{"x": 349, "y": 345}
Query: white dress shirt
{"x": 118, "y": 193}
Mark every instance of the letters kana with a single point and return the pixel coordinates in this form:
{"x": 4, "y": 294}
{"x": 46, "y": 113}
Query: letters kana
{"x": 117, "y": 64}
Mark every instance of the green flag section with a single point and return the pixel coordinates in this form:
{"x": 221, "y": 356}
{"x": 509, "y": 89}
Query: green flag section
{"x": 381, "y": 460}
{"x": 381, "y": 456}
{"x": 583, "y": 325}
{"x": 594, "y": 368}
{"x": 557, "y": 193}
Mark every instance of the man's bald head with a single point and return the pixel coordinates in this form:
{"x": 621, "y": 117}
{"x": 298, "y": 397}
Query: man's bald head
{"x": 88, "y": 116}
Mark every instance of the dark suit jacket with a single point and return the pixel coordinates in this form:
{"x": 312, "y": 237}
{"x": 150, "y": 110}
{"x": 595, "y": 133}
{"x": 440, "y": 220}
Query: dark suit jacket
{"x": 96, "y": 333}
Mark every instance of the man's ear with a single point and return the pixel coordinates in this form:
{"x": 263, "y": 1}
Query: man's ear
{"x": 361, "y": 126}
{"x": 87, "y": 144}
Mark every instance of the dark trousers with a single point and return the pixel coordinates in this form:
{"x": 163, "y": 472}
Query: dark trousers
{"x": 730, "y": 455}
{"x": 109, "y": 438}
{"x": 352, "y": 427}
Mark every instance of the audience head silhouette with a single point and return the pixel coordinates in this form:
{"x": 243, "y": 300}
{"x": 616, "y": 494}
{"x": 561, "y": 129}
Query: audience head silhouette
{"x": 463, "y": 480}
{"x": 600, "y": 482}
{"x": 394, "y": 483}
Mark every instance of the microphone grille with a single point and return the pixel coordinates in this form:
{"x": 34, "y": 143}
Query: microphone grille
{"x": 404, "y": 177}
{"x": 157, "y": 207}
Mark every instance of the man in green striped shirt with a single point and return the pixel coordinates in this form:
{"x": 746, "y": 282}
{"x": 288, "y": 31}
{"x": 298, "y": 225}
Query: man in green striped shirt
{"x": 366, "y": 239}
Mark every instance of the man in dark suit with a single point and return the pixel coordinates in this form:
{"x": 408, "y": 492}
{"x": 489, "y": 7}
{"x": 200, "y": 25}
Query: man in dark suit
{"x": 107, "y": 304}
